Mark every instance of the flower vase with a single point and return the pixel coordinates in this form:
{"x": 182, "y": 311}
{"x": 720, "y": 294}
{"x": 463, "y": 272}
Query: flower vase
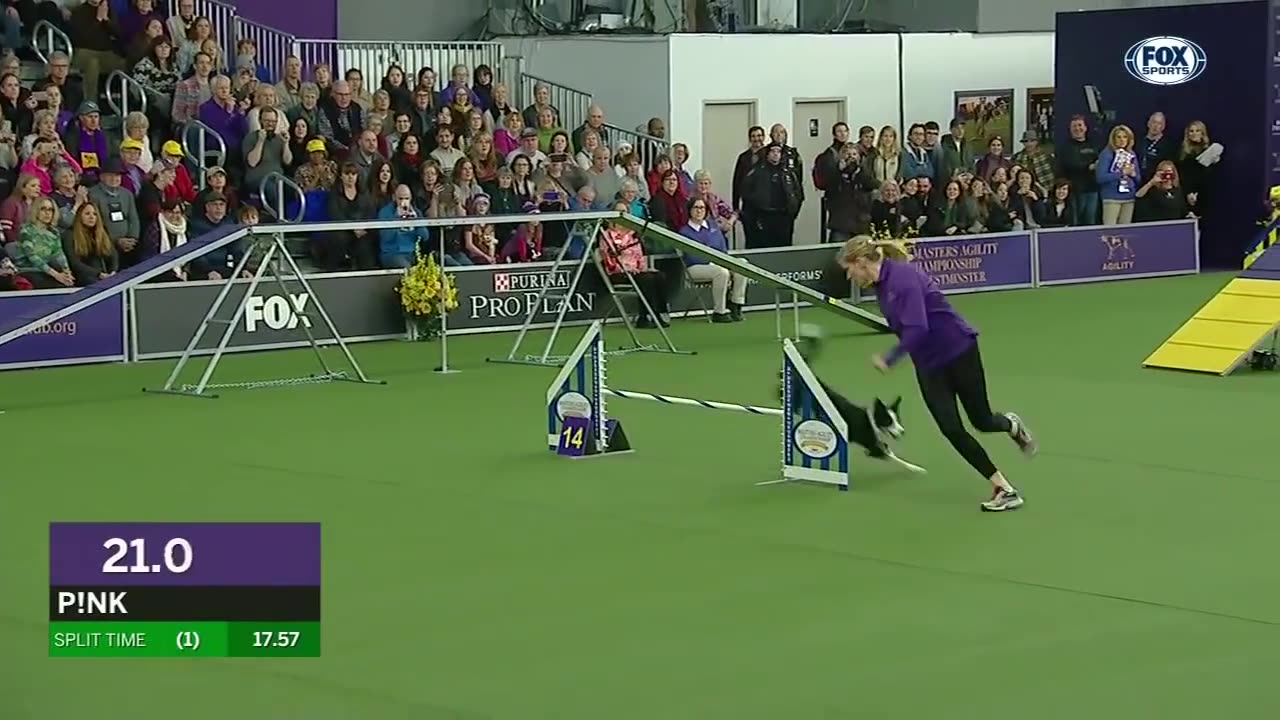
{"x": 422, "y": 329}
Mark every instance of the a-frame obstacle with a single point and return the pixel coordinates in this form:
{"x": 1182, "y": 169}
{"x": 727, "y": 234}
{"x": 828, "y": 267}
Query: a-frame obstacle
{"x": 815, "y": 438}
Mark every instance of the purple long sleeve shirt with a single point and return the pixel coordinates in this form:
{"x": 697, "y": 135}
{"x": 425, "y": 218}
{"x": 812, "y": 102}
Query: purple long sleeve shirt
{"x": 929, "y": 330}
{"x": 230, "y": 124}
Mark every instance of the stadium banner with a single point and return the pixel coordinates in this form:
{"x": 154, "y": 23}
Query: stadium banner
{"x": 93, "y": 335}
{"x": 362, "y": 305}
{"x": 1096, "y": 253}
{"x": 977, "y": 263}
{"x": 492, "y": 298}
{"x": 802, "y": 264}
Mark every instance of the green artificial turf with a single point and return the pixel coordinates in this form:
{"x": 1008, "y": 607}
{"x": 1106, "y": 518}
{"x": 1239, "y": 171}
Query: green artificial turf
{"x": 469, "y": 573}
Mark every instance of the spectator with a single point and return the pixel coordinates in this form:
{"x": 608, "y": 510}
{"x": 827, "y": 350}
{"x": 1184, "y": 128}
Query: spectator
{"x": 401, "y": 126}
{"x": 43, "y": 162}
{"x": 18, "y": 111}
{"x": 430, "y": 181}
{"x": 590, "y": 140}
{"x": 594, "y": 124}
{"x": 38, "y": 253}
{"x": 1156, "y": 147}
{"x": 1078, "y": 162}
{"x": 191, "y": 94}
{"x": 11, "y": 25}
{"x": 86, "y": 142}
{"x": 629, "y": 195}
{"x": 95, "y": 35}
{"x": 480, "y": 241}
{"x": 634, "y": 170}
{"x": 1058, "y": 210}
{"x": 365, "y": 156}
{"x": 319, "y": 172}
{"x": 140, "y": 46}
{"x": 45, "y": 127}
{"x": 825, "y": 165}
{"x": 458, "y": 87}
{"x": 745, "y": 163}
{"x": 224, "y": 115}
{"x": 728, "y": 292}
{"x": 772, "y": 199}
{"x": 790, "y": 156}
{"x": 191, "y": 44}
{"x": 382, "y": 184}
{"x": 529, "y": 147}
{"x": 525, "y": 244}
{"x": 359, "y": 93}
{"x": 446, "y": 154}
{"x": 59, "y": 76}
{"x": 951, "y": 216}
{"x": 398, "y": 247}
{"x": 887, "y": 213}
{"x": 999, "y": 217}
{"x": 623, "y": 257}
{"x": 218, "y": 264}
{"x": 917, "y": 162}
{"x": 602, "y": 177}
{"x": 502, "y": 194}
{"x": 987, "y": 164}
{"x": 16, "y": 208}
{"x": 585, "y": 200}
{"x": 1117, "y": 172}
{"x": 670, "y": 206}
{"x": 135, "y": 20}
{"x": 133, "y": 175}
{"x": 463, "y": 177}
{"x": 407, "y": 161}
{"x": 308, "y": 107}
{"x": 151, "y": 196}
{"x": 266, "y": 151}
{"x": 1033, "y": 156}
{"x": 954, "y": 152}
{"x": 264, "y": 97}
{"x": 341, "y": 120}
{"x": 119, "y": 212}
{"x": 183, "y": 188}
{"x": 848, "y": 196}
{"x": 322, "y": 76}
{"x": 1193, "y": 173}
{"x": 718, "y": 209}
{"x": 348, "y": 204}
{"x": 217, "y": 183}
{"x": 498, "y": 107}
{"x": 1024, "y": 203}
{"x": 393, "y": 83}
{"x": 379, "y": 106}
{"x": 1161, "y": 198}
{"x": 179, "y": 26}
{"x": 289, "y": 89}
{"x": 522, "y": 180}
{"x": 67, "y": 196}
{"x": 423, "y": 112}
{"x": 136, "y": 128}
{"x": 886, "y": 163}
{"x": 680, "y": 156}
{"x": 167, "y": 231}
{"x": 89, "y": 252}
{"x": 541, "y": 100}
{"x": 507, "y": 139}
{"x": 485, "y": 158}
{"x": 474, "y": 128}
{"x": 247, "y": 54}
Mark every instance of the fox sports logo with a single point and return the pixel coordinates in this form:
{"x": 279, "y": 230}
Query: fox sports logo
{"x": 1165, "y": 60}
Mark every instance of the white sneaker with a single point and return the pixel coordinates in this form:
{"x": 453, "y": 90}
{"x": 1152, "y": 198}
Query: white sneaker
{"x": 1002, "y": 500}
{"x": 1022, "y": 435}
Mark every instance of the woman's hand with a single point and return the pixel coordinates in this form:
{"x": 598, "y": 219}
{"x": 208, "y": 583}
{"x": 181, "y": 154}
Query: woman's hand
{"x": 952, "y": 230}
{"x": 1191, "y": 198}
{"x": 877, "y": 362}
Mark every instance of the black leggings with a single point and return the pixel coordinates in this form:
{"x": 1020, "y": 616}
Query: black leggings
{"x": 963, "y": 378}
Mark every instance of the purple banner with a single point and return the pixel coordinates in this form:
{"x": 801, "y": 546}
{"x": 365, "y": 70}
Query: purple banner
{"x": 319, "y": 21}
{"x": 95, "y": 334}
{"x": 971, "y": 263}
{"x": 116, "y": 554}
{"x": 1273, "y": 93}
{"x": 1070, "y": 255}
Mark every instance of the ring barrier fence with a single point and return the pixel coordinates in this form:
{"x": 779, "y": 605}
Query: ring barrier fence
{"x": 202, "y": 144}
{"x": 156, "y": 319}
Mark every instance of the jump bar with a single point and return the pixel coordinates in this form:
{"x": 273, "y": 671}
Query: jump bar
{"x": 695, "y": 403}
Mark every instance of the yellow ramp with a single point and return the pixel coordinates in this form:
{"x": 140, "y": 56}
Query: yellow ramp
{"x": 1224, "y": 333}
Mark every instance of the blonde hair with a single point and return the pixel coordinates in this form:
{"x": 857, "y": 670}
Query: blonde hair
{"x": 1116, "y": 132}
{"x": 1190, "y": 149}
{"x": 864, "y": 247}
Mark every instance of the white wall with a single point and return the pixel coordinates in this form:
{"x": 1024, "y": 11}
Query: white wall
{"x": 934, "y": 67}
{"x": 774, "y": 70}
{"x": 627, "y": 76}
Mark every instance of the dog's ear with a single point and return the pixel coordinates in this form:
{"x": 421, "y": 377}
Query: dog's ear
{"x": 897, "y": 402}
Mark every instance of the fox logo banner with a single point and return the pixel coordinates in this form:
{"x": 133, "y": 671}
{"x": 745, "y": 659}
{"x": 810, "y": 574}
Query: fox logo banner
{"x": 1165, "y": 60}
{"x": 278, "y": 312}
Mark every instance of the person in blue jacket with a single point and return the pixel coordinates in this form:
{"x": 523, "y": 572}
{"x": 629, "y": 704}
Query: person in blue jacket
{"x": 1117, "y": 173}
{"x": 944, "y": 349}
{"x": 397, "y": 247}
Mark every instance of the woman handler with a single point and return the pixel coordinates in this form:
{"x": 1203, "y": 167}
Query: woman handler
{"x": 944, "y": 350}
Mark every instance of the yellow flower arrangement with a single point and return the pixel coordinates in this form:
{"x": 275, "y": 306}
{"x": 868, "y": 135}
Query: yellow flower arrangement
{"x": 904, "y": 238}
{"x": 427, "y": 292}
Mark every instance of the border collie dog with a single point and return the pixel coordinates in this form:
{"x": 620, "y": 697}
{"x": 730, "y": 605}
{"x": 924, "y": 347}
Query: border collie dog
{"x": 873, "y": 429}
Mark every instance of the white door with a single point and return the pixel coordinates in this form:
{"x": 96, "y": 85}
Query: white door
{"x": 724, "y": 137}
{"x": 811, "y": 134}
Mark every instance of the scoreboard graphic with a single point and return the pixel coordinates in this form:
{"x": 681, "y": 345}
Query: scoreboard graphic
{"x": 184, "y": 590}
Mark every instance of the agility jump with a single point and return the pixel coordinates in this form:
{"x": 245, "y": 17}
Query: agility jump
{"x": 815, "y": 438}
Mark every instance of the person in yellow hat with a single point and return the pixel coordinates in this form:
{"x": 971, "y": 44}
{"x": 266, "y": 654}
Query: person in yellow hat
{"x": 318, "y": 172}
{"x": 171, "y": 157}
{"x": 130, "y": 157}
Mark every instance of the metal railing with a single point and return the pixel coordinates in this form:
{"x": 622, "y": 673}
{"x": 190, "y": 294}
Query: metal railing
{"x": 276, "y": 203}
{"x": 374, "y": 57}
{"x": 274, "y": 46}
{"x": 222, "y": 18}
{"x": 648, "y": 146}
{"x": 207, "y": 144}
{"x": 46, "y": 39}
{"x": 121, "y": 91}
{"x": 571, "y": 102}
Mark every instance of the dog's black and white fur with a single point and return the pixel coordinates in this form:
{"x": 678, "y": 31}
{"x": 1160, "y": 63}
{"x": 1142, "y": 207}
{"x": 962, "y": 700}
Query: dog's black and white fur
{"x": 873, "y": 429}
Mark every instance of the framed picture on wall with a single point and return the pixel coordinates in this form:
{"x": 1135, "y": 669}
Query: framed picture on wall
{"x": 986, "y": 114}
{"x": 1040, "y": 115}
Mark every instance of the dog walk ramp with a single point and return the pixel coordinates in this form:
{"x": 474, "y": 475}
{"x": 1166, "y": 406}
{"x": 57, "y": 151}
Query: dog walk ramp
{"x": 1221, "y": 336}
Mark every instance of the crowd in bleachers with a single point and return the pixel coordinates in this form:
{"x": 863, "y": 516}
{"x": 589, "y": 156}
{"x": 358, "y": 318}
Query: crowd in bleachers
{"x": 411, "y": 146}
